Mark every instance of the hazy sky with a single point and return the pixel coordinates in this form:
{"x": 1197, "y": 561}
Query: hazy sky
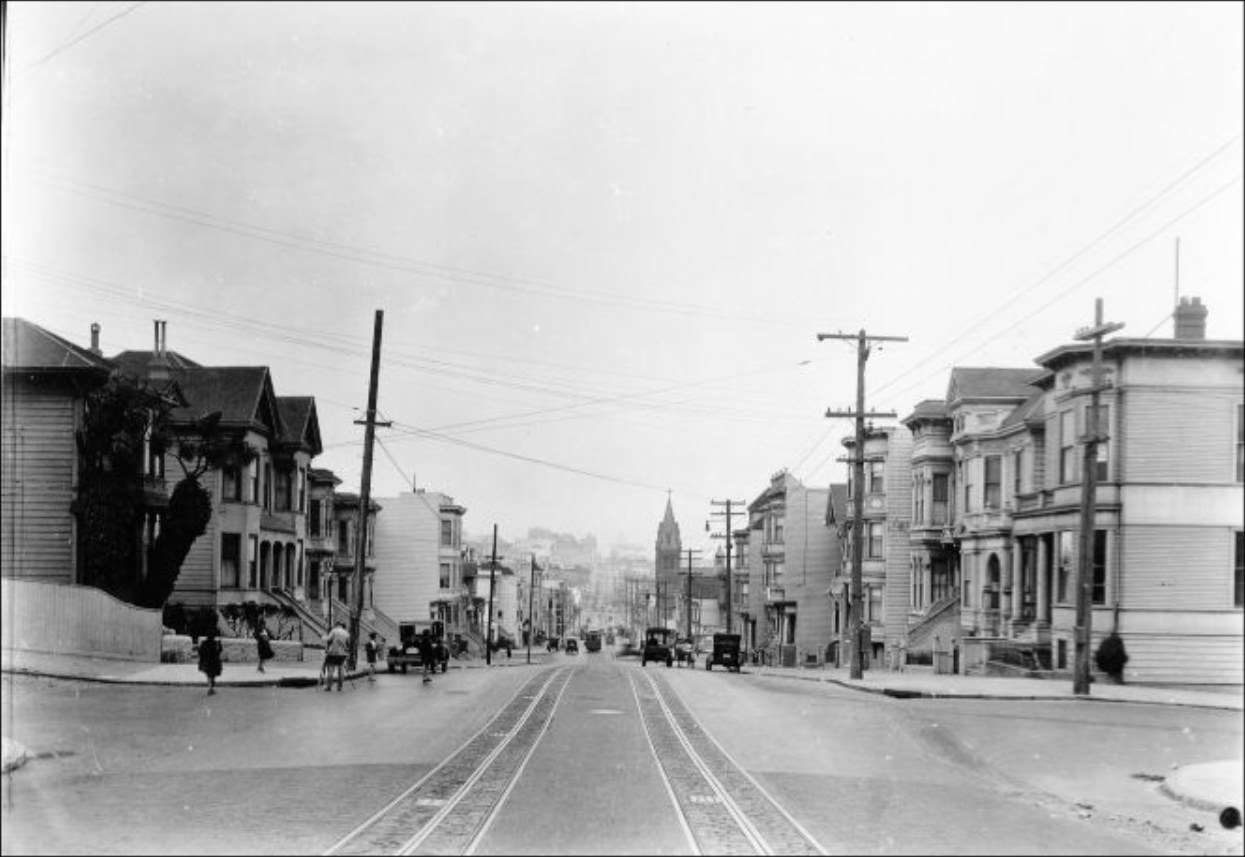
{"x": 604, "y": 236}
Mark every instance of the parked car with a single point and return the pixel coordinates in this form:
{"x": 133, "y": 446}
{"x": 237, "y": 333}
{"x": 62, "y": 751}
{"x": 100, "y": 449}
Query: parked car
{"x": 725, "y": 652}
{"x": 572, "y": 646}
{"x": 406, "y": 655}
{"x": 657, "y": 646}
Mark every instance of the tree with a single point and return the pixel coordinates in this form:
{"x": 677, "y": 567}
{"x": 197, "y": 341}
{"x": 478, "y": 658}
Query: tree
{"x": 205, "y": 446}
{"x": 123, "y": 421}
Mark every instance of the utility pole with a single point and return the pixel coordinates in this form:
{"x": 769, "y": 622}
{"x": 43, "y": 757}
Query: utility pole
{"x": 856, "y": 602}
{"x": 492, "y": 584}
{"x": 1089, "y": 491}
{"x": 365, "y": 493}
{"x": 729, "y": 536}
{"x": 690, "y": 551}
{"x": 531, "y": 624}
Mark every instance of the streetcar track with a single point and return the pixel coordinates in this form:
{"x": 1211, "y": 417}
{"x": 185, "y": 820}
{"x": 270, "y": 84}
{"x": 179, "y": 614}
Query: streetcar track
{"x": 445, "y": 804}
{"x": 724, "y": 809}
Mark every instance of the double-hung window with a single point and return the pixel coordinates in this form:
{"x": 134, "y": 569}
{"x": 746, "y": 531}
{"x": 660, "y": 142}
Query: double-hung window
{"x": 1067, "y": 446}
{"x": 230, "y": 559}
{"x": 994, "y": 481}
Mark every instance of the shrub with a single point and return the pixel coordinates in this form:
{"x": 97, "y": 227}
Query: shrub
{"x": 1111, "y": 656}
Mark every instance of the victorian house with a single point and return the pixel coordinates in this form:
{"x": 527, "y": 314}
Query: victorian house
{"x": 792, "y": 558}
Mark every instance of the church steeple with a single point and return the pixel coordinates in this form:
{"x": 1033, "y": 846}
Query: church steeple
{"x": 669, "y": 547}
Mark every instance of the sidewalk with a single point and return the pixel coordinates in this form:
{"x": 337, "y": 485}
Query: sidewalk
{"x": 1211, "y": 787}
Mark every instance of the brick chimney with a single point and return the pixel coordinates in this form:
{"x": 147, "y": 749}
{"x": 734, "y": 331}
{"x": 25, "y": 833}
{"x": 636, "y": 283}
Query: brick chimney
{"x": 1191, "y": 319}
{"x": 95, "y": 340}
{"x": 158, "y": 367}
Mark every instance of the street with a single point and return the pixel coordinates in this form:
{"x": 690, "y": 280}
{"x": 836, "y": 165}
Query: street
{"x": 569, "y": 766}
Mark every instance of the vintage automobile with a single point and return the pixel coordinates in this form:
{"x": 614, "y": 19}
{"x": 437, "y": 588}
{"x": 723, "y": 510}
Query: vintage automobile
{"x": 572, "y": 646}
{"x": 406, "y": 655}
{"x": 725, "y": 652}
{"x": 657, "y": 646}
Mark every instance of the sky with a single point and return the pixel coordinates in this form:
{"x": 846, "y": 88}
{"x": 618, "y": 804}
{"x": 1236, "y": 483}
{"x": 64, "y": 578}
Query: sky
{"x": 603, "y": 237}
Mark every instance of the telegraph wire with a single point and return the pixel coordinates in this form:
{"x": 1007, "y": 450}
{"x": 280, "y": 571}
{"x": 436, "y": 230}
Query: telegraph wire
{"x": 56, "y": 51}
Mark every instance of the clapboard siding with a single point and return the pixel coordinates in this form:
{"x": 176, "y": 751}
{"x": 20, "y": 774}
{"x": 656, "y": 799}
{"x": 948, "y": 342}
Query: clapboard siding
{"x": 1176, "y": 568}
{"x": 811, "y": 559}
{"x": 70, "y": 619}
{"x": 895, "y": 593}
{"x": 1184, "y": 658}
{"x": 1180, "y": 435}
{"x": 406, "y": 553}
{"x": 38, "y": 466}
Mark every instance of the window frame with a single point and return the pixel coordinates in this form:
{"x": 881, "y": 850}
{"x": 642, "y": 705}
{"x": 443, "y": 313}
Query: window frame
{"x": 993, "y": 490}
{"x": 230, "y": 559}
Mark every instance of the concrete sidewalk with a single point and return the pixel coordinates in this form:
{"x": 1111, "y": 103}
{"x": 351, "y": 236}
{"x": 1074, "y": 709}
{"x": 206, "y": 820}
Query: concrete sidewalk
{"x": 1211, "y": 787}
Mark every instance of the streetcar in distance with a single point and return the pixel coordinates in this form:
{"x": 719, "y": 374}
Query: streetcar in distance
{"x": 592, "y": 641}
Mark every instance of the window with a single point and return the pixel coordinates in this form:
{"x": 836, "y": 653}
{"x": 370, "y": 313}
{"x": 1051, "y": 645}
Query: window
{"x": 1018, "y": 463}
{"x": 1067, "y": 447}
{"x": 313, "y": 520}
{"x": 1066, "y": 557}
{"x": 302, "y": 489}
{"x": 230, "y": 558}
{"x": 1238, "y": 583}
{"x": 966, "y": 476}
{"x": 1098, "y": 593}
{"x": 1061, "y": 647}
{"x": 877, "y": 476}
{"x": 942, "y": 490}
{"x": 875, "y": 539}
{"x": 313, "y": 580}
{"x": 267, "y": 486}
{"x": 343, "y": 537}
{"x": 1103, "y": 452}
{"x": 874, "y": 604}
{"x": 298, "y": 565}
{"x": 284, "y": 486}
{"x": 918, "y": 500}
{"x": 447, "y": 533}
{"x": 231, "y": 484}
{"x": 994, "y": 481}
{"x": 252, "y": 574}
{"x": 444, "y": 582}
{"x": 253, "y": 469}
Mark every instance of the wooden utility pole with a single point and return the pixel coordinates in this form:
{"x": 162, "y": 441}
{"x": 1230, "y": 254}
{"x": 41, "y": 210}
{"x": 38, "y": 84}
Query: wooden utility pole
{"x": 690, "y": 551}
{"x": 856, "y": 595}
{"x": 1089, "y": 491}
{"x": 365, "y": 493}
{"x": 531, "y": 596}
{"x": 492, "y": 581}
{"x": 730, "y": 540}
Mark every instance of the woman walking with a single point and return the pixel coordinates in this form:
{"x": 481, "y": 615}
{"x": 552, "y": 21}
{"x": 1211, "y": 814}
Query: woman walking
{"x": 262, "y": 646}
{"x": 209, "y": 658}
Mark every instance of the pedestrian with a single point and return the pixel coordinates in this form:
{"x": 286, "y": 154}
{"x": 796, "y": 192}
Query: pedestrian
{"x": 262, "y": 646}
{"x": 371, "y": 648}
{"x": 210, "y": 658}
{"x": 427, "y": 653}
{"x": 336, "y": 645}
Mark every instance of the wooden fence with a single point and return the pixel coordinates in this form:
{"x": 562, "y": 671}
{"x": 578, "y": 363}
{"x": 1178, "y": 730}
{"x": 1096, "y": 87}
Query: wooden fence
{"x": 76, "y": 620}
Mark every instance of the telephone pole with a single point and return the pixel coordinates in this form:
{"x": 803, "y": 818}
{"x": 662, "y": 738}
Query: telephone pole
{"x": 729, "y": 536}
{"x": 531, "y": 593}
{"x": 856, "y": 595}
{"x": 1089, "y": 491}
{"x": 365, "y": 493}
{"x": 492, "y": 584}
{"x": 690, "y": 551}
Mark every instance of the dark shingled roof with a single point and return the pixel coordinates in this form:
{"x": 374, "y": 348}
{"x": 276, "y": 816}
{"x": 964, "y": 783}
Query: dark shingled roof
{"x": 1031, "y": 408}
{"x": 242, "y": 394}
{"x": 139, "y": 362}
{"x": 29, "y": 347}
{"x": 836, "y": 505}
{"x": 927, "y": 409}
{"x": 991, "y": 383}
{"x": 302, "y": 427}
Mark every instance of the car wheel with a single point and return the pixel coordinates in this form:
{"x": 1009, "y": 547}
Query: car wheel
{"x": 669, "y": 663}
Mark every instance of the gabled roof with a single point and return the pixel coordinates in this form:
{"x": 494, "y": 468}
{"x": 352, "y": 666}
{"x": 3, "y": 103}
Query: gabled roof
{"x": 30, "y": 348}
{"x": 302, "y": 426}
{"x": 990, "y": 383}
{"x": 836, "y": 505}
{"x": 1032, "y": 408}
{"x": 242, "y": 394}
{"x": 139, "y": 362}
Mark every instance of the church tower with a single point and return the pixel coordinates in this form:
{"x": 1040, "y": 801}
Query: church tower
{"x": 669, "y": 549}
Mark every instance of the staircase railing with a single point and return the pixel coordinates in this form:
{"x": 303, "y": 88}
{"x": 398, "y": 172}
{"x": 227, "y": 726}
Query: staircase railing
{"x": 310, "y": 619}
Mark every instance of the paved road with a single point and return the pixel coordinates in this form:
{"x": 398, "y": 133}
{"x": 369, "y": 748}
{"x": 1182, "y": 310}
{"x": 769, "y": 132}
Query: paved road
{"x": 156, "y": 769}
